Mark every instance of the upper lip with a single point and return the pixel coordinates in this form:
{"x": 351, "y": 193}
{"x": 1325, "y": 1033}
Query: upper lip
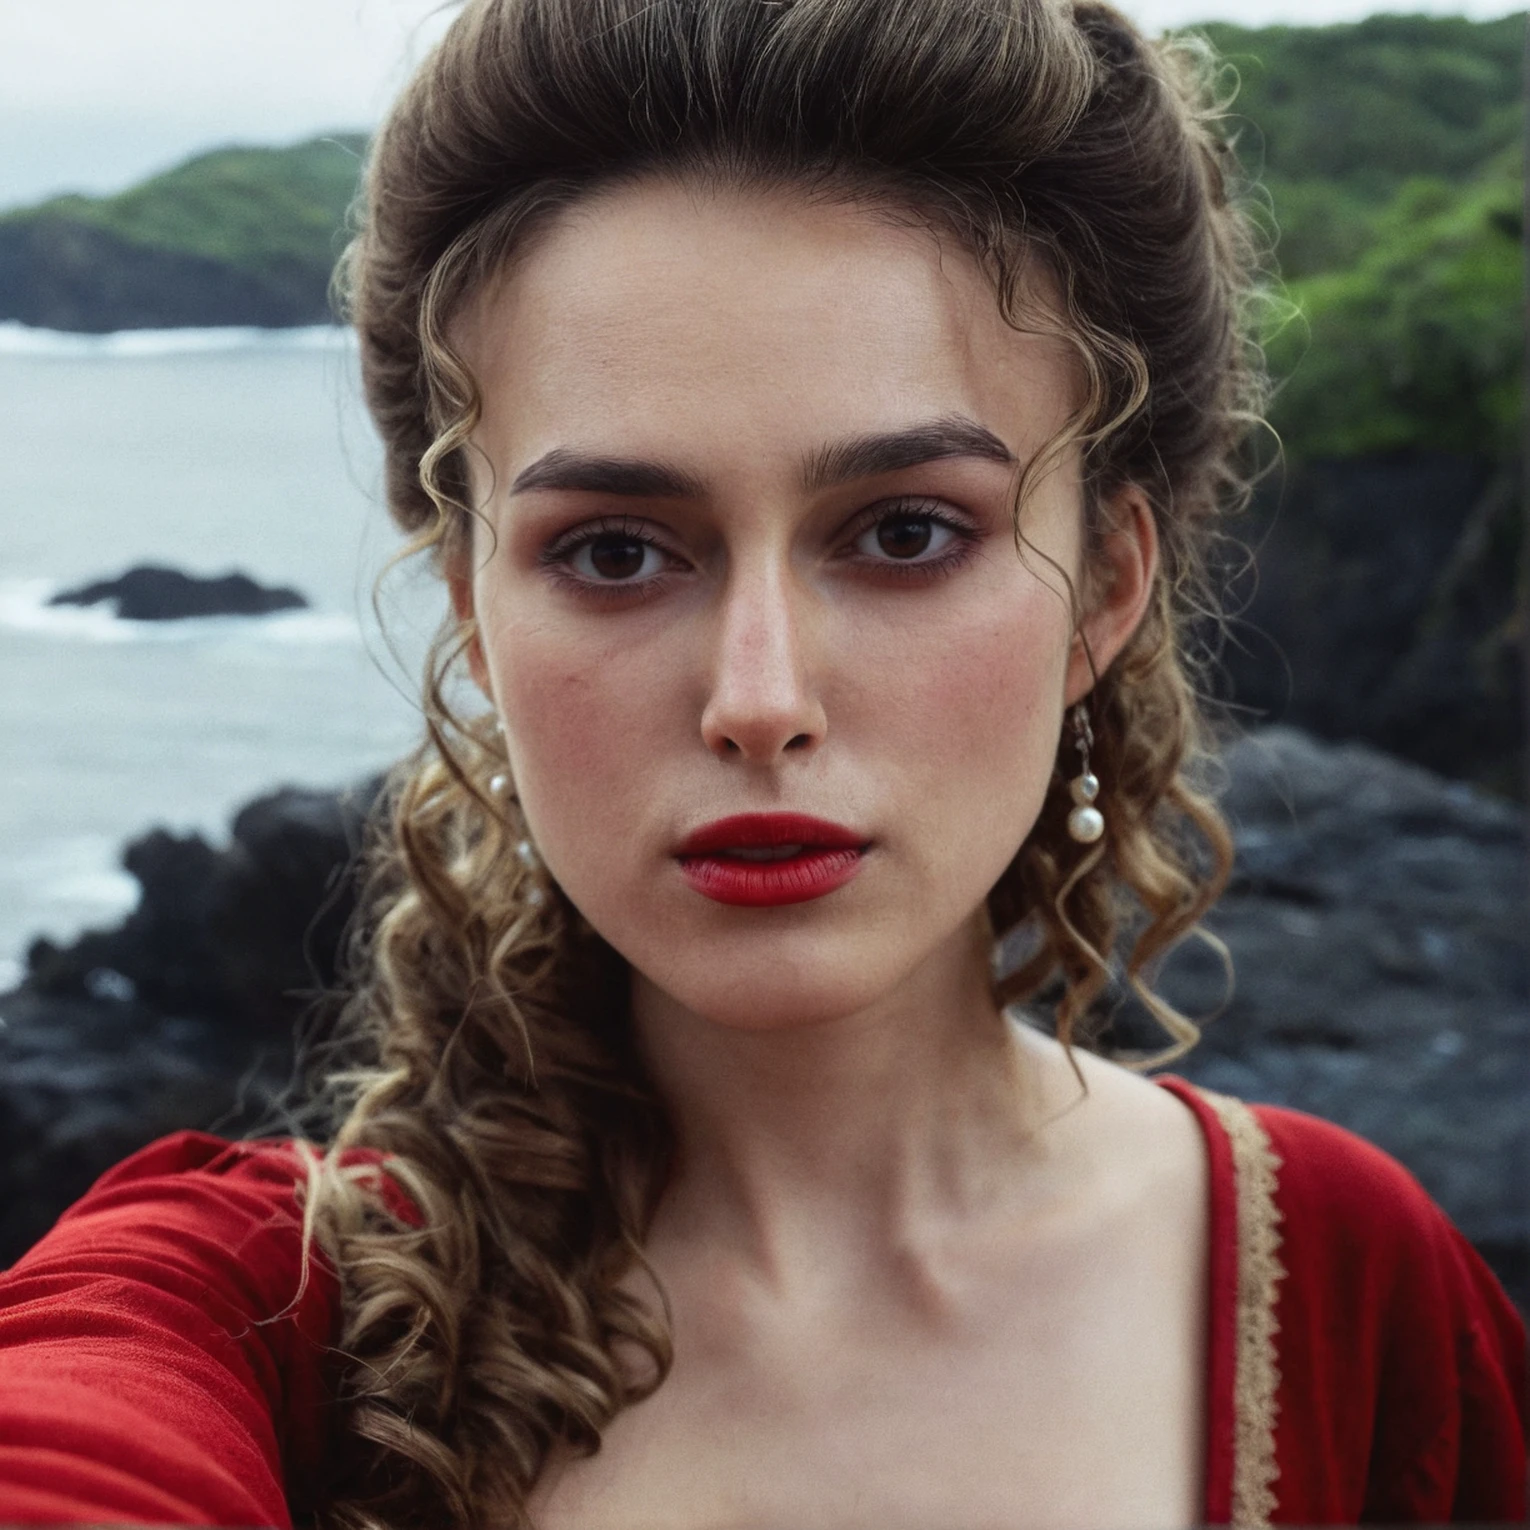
{"x": 754, "y": 831}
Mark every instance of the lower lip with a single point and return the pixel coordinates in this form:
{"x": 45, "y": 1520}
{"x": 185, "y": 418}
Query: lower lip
{"x": 769, "y": 884}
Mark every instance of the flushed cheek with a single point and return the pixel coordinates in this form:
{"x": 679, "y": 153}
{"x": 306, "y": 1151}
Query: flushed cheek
{"x": 582, "y": 722}
{"x": 972, "y": 732}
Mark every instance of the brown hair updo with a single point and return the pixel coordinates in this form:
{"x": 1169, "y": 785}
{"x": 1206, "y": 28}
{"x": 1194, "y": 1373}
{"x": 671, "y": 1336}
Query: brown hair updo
{"x": 496, "y": 1073}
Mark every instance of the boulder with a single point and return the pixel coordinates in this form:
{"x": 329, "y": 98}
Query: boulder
{"x": 149, "y": 593}
{"x": 242, "y": 935}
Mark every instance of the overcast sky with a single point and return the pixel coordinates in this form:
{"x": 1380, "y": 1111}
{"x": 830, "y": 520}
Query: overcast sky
{"x": 95, "y": 94}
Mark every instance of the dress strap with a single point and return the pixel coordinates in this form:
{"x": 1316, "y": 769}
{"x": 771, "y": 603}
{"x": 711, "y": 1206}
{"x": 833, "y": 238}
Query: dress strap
{"x": 1255, "y": 1167}
{"x": 1244, "y": 1293}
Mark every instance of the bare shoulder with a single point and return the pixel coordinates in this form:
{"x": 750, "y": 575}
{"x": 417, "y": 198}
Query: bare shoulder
{"x": 1136, "y": 1138}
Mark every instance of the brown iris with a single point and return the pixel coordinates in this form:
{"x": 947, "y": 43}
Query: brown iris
{"x": 904, "y": 536}
{"x": 616, "y": 557}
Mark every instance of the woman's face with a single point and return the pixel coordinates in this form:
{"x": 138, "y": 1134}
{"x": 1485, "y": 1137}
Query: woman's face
{"x": 746, "y": 467}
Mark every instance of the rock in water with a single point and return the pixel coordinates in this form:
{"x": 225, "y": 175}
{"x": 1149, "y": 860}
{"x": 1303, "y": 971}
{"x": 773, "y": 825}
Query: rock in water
{"x": 150, "y": 593}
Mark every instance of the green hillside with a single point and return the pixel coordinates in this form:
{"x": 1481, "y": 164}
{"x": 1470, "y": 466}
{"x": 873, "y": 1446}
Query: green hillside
{"x": 1391, "y": 156}
{"x": 1418, "y": 343}
{"x": 1365, "y": 106}
{"x": 250, "y": 207}
{"x": 236, "y": 236}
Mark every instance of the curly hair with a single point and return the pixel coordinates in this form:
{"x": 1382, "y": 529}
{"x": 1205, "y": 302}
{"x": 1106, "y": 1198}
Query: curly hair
{"x": 494, "y": 1070}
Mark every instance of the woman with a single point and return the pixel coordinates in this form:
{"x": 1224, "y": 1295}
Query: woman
{"x": 818, "y": 411}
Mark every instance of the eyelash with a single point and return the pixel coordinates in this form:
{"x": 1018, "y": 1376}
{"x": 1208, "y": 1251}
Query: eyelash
{"x": 556, "y": 558}
{"x": 964, "y": 538}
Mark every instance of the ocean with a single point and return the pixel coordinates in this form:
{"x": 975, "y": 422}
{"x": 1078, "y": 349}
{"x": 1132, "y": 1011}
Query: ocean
{"x": 208, "y": 450}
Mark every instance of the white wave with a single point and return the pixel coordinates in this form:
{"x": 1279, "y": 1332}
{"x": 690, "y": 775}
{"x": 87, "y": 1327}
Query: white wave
{"x": 12, "y": 970}
{"x": 24, "y": 608}
{"x": 106, "y": 892}
{"x": 23, "y": 340}
{"x": 66, "y": 885}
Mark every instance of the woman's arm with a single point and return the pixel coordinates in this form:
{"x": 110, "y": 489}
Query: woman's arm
{"x": 156, "y": 1363}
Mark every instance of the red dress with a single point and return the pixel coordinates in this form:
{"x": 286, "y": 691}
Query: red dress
{"x": 1365, "y": 1367}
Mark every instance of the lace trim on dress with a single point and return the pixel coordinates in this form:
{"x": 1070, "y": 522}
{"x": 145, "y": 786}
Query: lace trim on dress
{"x": 1257, "y": 1369}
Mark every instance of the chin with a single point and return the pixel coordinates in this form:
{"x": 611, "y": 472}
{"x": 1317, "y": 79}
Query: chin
{"x": 786, "y": 981}
{"x": 793, "y": 1006}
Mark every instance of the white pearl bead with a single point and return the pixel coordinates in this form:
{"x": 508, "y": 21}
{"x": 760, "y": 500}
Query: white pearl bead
{"x": 499, "y": 785}
{"x": 528, "y": 855}
{"x": 1085, "y": 788}
{"x": 1086, "y": 824}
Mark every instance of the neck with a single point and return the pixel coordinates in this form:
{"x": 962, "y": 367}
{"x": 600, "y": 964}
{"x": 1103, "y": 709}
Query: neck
{"x": 848, "y": 1139}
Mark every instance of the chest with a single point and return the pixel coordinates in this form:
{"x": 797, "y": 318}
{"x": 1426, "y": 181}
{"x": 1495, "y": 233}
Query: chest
{"x": 1070, "y": 1396}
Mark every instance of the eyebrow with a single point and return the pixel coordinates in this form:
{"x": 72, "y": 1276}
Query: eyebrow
{"x": 628, "y": 477}
{"x": 891, "y": 451}
{"x": 864, "y": 456}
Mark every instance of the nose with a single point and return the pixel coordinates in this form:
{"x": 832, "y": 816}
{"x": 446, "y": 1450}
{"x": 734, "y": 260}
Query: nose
{"x": 762, "y": 701}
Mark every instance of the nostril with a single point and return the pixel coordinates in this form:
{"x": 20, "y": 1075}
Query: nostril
{"x": 801, "y": 741}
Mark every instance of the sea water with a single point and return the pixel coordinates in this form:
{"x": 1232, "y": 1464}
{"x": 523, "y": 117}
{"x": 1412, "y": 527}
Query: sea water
{"x": 208, "y": 450}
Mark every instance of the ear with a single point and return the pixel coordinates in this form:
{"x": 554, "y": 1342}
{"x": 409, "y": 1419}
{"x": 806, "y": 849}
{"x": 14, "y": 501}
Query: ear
{"x": 1121, "y": 587}
{"x": 459, "y": 584}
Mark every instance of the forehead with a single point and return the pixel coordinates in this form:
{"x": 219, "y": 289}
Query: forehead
{"x": 707, "y": 322}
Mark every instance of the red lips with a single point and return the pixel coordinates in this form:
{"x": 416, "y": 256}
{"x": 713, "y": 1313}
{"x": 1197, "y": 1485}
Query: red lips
{"x": 731, "y": 861}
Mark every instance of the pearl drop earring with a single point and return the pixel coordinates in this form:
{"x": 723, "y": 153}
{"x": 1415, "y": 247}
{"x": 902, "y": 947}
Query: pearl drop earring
{"x": 1085, "y": 823}
{"x": 526, "y": 854}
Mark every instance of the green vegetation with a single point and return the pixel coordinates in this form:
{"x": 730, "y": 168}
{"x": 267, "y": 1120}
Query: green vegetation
{"x": 1367, "y": 106}
{"x": 1391, "y": 156}
{"x": 251, "y": 208}
{"x": 238, "y": 236}
{"x": 1419, "y": 343}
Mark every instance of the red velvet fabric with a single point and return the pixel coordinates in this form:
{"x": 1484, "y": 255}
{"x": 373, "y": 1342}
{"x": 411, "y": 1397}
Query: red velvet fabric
{"x": 158, "y": 1366}
{"x": 153, "y": 1366}
{"x": 1402, "y": 1395}
{"x": 1402, "y": 1362}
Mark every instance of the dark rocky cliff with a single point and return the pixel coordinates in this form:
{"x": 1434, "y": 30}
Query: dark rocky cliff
{"x": 1376, "y": 926}
{"x": 1384, "y": 609}
{"x": 1377, "y": 923}
{"x": 59, "y": 273}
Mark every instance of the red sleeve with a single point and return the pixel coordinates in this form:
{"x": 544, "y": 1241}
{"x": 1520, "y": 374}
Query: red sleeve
{"x": 156, "y": 1366}
{"x": 1402, "y": 1386}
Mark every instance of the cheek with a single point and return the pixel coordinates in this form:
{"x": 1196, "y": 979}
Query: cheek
{"x": 577, "y": 711}
{"x": 973, "y": 728}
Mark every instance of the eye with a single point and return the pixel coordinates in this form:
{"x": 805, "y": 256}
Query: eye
{"x": 910, "y": 534}
{"x": 615, "y": 557}
{"x": 609, "y": 558}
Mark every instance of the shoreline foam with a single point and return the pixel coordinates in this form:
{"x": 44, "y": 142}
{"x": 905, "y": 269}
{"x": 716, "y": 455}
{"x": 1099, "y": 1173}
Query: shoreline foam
{"x": 17, "y": 339}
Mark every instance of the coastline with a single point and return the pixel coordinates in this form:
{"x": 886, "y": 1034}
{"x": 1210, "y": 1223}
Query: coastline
{"x": 18, "y": 339}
